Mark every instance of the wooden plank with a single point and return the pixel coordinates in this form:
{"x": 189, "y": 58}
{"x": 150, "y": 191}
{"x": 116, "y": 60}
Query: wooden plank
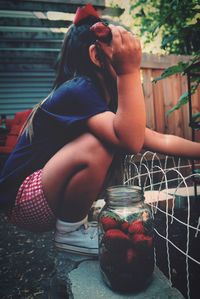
{"x": 62, "y": 6}
{"x": 100, "y": 3}
{"x": 195, "y": 103}
{"x": 195, "y": 109}
{"x": 37, "y": 6}
{"x": 28, "y": 62}
{"x": 37, "y": 36}
{"x": 20, "y": 90}
{"x": 158, "y": 103}
{"x": 161, "y": 61}
{"x": 24, "y": 50}
{"x": 26, "y": 29}
{"x": 148, "y": 94}
{"x": 187, "y": 132}
{"x": 27, "y": 94}
{"x": 42, "y": 42}
{"x": 6, "y": 60}
{"x": 5, "y": 86}
{"x": 27, "y": 53}
{"x": 40, "y": 72}
{"x": 30, "y": 45}
{"x": 167, "y": 96}
{"x": 33, "y": 22}
{"x": 14, "y": 109}
{"x": 176, "y": 93}
{"x": 27, "y": 66}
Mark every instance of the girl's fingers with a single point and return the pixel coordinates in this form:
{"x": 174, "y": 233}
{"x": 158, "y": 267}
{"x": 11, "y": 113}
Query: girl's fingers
{"x": 123, "y": 34}
{"x": 117, "y": 38}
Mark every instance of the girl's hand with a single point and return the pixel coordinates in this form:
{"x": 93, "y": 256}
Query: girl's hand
{"x": 126, "y": 51}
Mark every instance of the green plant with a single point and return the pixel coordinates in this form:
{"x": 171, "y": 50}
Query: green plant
{"x": 183, "y": 68}
{"x": 178, "y": 23}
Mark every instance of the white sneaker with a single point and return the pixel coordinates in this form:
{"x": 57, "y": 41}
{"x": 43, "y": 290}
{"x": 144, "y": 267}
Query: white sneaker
{"x": 96, "y": 209}
{"x": 83, "y": 240}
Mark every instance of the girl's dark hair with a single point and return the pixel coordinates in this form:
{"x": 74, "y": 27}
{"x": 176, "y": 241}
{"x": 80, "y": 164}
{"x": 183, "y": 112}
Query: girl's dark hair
{"x": 74, "y": 56}
{"x": 74, "y": 60}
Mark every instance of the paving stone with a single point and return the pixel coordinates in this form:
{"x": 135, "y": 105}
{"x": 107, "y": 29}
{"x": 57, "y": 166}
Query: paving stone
{"x": 31, "y": 267}
{"x": 86, "y": 282}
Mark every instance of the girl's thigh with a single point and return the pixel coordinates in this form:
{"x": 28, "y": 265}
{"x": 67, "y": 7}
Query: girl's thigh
{"x": 85, "y": 152}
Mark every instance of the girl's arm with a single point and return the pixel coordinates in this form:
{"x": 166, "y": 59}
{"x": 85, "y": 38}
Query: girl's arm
{"x": 126, "y": 128}
{"x": 171, "y": 145}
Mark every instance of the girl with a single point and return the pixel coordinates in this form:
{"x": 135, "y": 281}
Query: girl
{"x": 61, "y": 160}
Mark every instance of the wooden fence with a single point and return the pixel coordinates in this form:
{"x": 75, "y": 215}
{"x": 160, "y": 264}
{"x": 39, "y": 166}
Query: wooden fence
{"x": 163, "y": 95}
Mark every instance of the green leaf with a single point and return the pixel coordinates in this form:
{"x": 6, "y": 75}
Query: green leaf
{"x": 138, "y": 3}
{"x": 167, "y": 39}
{"x": 184, "y": 98}
{"x": 181, "y": 101}
{"x": 195, "y": 116}
{"x": 172, "y": 70}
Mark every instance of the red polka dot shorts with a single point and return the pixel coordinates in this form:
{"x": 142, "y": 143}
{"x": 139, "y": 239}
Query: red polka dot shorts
{"x": 31, "y": 210}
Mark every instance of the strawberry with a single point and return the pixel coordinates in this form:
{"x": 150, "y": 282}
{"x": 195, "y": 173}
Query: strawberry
{"x": 142, "y": 241}
{"x": 102, "y": 32}
{"x": 116, "y": 240}
{"x": 108, "y": 223}
{"x": 136, "y": 227}
{"x": 124, "y": 225}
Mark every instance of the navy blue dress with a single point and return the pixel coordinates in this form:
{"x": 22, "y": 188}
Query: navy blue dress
{"x": 61, "y": 118}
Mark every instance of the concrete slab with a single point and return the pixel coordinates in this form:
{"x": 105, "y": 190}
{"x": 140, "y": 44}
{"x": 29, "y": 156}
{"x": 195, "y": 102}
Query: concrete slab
{"x": 86, "y": 282}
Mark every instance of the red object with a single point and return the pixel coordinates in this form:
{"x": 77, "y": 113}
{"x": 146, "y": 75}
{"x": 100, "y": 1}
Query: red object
{"x": 31, "y": 210}
{"x": 124, "y": 226}
{"x": 136, "y": 227}
{"x": 102, "y": 32}
{"x": 116, "y": 240}
{"x": 14, "y": 127}
{"x": 84, "y": 12}
{"x": 108, "y": 223}
{"x": 141, "y": 241}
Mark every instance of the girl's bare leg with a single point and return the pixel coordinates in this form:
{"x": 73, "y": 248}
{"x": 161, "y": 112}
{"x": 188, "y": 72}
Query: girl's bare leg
{"x": 73, "y": 177}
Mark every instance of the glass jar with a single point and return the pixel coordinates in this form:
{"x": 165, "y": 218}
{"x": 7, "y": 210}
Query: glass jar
{"x": 126, "y": 247}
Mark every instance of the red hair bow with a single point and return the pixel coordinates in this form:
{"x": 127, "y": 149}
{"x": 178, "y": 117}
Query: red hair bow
{"x": 84, "y": 12}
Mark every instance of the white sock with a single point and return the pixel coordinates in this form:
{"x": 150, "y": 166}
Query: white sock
{"x": 66, "y": 227}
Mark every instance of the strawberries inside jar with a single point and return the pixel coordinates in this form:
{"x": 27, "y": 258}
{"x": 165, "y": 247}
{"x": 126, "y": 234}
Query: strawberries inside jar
{"x": 126, "y": 245}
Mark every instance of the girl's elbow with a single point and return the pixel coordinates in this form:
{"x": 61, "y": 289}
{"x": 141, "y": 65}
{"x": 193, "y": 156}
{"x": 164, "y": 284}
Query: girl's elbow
{"x": 135, "y": 147}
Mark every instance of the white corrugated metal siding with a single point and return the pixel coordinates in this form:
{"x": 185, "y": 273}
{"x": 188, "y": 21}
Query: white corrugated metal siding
{"x": 21, "y": 90}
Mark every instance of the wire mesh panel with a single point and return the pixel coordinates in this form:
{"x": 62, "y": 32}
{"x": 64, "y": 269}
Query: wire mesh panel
{"x": 173, "y": 193}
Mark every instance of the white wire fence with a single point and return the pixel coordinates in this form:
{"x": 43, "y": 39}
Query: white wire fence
{"x": 173, "y": 193}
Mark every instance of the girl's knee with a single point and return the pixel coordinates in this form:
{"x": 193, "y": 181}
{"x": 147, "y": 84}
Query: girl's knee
{"x": 96, "y": 152}
{"x": 84, "y": 151}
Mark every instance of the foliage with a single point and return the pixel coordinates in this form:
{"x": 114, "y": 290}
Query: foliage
{"x": 178, "y": 22}
{"x": 192, "y": 66}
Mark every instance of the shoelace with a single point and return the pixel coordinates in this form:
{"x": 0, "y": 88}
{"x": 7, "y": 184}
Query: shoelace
{"x": 94, "y": 231}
